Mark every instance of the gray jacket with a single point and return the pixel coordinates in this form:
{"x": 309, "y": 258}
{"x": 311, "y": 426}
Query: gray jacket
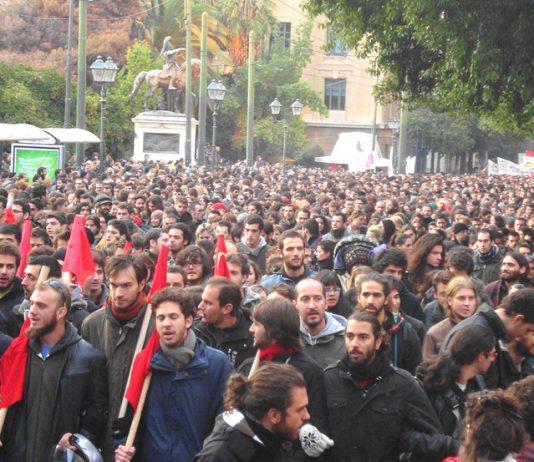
{"x": 328, "y": 346}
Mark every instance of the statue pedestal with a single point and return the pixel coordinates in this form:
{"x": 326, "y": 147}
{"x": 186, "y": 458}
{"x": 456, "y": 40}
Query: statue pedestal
{"x": 161, "y": 136}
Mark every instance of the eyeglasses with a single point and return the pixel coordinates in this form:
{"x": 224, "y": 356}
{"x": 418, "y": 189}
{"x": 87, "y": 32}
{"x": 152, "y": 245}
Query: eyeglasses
{"x": 332, "y": 290}
{"x": 60, "y": 288}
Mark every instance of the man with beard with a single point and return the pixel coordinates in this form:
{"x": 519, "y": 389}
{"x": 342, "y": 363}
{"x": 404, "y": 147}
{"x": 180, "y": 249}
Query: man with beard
{"x": 320, "y": 331}
{"x": 291, "y": 245}
{"x": 266, "y": 413}
{"x": 514, "y": 270}
{"x": 405, "y": 347}
{"x": 65, "y": 382}
{"x": 487, "y": 257}
{"x": 253, "y": 244}
{"x": 11, "y": 290}
{"x": 223, "y": 325}
{"x": 152, "y": 242}
{"x": 339, "y": 228}
{"x": 179, "y": 237}
{"x": 115, "y": 329}
{"x": 103, "y": 206}
{"x": 376, "y": 411}
{"x": 459, "y": 236}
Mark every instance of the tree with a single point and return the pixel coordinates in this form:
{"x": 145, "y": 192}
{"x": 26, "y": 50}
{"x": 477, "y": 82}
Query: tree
{"x": 473, "y": 56}
{"x": 278, "y": 74}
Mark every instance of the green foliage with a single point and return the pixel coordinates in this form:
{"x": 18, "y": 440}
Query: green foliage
{"x": 470, "y": 56}
{"x": 278, "y": 74}
{"x": 30, "y": 96}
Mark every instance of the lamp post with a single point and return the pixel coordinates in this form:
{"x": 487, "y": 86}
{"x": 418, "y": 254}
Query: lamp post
{"x": 394, "y": 126}
{"x": 216, "y": 92}
{"x": 104, "y": 74}
{"x": 296, "y": 108}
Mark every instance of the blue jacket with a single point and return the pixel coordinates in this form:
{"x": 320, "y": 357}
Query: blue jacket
{"x": 181, "y": 406}
{"x": 272, "y": 280}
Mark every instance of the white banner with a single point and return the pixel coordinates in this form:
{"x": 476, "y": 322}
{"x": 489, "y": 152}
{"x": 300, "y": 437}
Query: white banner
{"x": 506, "y": 167}
{"x": 493, "y": 169}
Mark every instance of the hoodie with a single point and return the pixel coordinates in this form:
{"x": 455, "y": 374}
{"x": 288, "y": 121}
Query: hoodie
{"x": 258, "y": 254}
{"x": 328, "y": 346}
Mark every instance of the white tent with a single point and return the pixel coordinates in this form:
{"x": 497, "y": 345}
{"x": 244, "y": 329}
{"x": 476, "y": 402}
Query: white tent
{"x": 355, "y": 149}
{"x": 21, "y": 132}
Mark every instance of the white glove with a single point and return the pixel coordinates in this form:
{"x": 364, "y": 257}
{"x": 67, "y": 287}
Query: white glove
{"x": 313, "y": 442}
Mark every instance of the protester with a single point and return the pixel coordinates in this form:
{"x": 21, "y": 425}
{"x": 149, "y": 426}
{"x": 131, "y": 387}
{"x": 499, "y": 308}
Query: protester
{"x": 11, "y": 290}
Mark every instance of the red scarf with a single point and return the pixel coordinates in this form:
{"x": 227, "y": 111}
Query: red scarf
{"x": 133, "y": 309}
{"x": 273, "y": 350}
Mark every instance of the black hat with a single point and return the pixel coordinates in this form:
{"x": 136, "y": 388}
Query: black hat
{"x": 459, "y": 227}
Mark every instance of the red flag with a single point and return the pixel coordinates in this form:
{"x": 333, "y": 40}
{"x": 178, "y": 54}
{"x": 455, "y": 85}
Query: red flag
{"x": 128, "y": 248}
{"x": 25, "y": 247}
{"x": 141, "y": 368}
{"x": 9, "y": 217}
{"x": 529, "y": 154}
{"x": 221, "y": 267}
{"x": 13, "y": 369}
{"x": 79, "y": 259}
{"x": 159, "y": 281}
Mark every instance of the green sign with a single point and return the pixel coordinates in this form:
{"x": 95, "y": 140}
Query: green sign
{"x": 27, "y": 158}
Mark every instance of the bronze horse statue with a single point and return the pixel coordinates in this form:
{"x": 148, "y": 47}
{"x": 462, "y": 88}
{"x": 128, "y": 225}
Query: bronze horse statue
{"x": 157, "y": 78}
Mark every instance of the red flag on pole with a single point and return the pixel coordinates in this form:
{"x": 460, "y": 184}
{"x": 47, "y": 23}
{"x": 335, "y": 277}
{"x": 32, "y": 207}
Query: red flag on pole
{"x": 159, "y": 281}
{"x": 13, "y": 369}
{"x": 79, "y": 259}
{"x": 25, "y": 247}
{"x": 221, "y": 267}
{"x": 141, "y": 368}
{"x": 9, "y": 217}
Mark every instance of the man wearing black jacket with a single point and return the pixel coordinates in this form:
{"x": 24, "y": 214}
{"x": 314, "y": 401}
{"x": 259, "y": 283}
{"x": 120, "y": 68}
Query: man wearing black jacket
{"x": 11, "y": 290}
{"x": 376, "y": 411}
{"x": 223, "y": 324}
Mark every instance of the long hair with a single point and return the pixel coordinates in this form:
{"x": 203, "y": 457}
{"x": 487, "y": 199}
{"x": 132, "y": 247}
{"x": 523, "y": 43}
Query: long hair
{"x": 496, "y": 427}
{"x": 281, "y": 322}
{"x": 455, "y": 285}
{"x": 439, "y": 373}
{"x": 269, "y": 387}
{"x": 417, "y": 267}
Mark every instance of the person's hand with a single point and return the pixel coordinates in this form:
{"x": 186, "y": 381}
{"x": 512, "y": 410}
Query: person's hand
{"x": 313, "y": 442}
{"x": 124, "y": 455}
{"x": 64, "y": 442}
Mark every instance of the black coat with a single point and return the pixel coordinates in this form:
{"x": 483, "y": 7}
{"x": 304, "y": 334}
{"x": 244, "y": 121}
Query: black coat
{"x": 65, "y": 393}
{"x": 236, "y": 342}
{"x": 9, "y": 324}
{"x": 236, "y": 443}
{"x": 391, "y": 416}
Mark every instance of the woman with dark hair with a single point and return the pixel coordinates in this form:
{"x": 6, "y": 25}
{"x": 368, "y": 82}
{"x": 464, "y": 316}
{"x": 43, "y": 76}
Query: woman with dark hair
{"x": 495, "y": 429}
{"x": 445, "y": 378}
{"x": 427, "y": 255}
{"x": 335, "y": 302}
{"x": 324, "y": 224}
{"x": 389, "y": 231}
{"x": 93, "y": 224}
{"x": 324, "y": 254}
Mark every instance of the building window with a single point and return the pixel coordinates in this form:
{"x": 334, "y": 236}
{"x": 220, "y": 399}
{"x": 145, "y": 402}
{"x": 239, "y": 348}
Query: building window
{"x": 335, "y": 91}
{"x": 337, "y": 47}
{"x": 285, "y": 33}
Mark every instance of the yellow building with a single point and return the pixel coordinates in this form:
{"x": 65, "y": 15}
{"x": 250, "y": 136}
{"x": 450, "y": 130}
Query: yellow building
{"x": 343, "y": 81}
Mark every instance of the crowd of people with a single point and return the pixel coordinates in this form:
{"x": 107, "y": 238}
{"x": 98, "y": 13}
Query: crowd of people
{"x": 364, "y": 318}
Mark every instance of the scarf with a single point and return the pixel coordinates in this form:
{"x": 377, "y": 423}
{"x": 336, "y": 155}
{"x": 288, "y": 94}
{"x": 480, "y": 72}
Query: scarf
{"x": 486, "y": 258}
{"x": 275, "y": 349}
{"x": 367, "y": 372}
{"x": 180, "y": 357}
{"x": 132, "y": 311}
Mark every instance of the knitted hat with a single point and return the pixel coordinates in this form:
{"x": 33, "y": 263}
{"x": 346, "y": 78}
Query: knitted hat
{"x": 352, "y": 251}
{"x": 102, "y": 199}
{"x": 459, "y": 227}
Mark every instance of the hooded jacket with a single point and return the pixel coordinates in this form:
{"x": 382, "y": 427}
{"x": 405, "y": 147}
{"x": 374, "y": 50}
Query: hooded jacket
{"x": 257, "y": 254}
{"x": 66, "y": 392}
{"x": 328, "y": 346}
{"x": 488, "y": 269}
{"x": 182, "y": 405}
{"x": 236, "y": 438}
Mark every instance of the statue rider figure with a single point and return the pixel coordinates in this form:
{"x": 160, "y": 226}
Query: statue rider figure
{"x": 171, "y": 69}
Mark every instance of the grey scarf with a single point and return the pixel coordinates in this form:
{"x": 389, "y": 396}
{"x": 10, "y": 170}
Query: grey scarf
{"x": 180, "y": 357}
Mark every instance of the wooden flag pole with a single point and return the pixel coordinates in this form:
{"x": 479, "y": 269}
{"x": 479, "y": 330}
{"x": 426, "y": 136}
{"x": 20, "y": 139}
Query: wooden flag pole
{"x": 138, "y": 412}
{"x": 138, "y": 347}
{"x": 255, "y": 364}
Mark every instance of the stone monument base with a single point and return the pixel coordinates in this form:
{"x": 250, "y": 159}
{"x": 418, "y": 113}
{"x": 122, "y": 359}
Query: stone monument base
{"x": 161, "y": 136}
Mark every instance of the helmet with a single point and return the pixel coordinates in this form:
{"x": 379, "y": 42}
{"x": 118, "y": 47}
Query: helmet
{"x": 85, "y": 451}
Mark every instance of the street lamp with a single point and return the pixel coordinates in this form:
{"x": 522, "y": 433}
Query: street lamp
{"x": 296, "y": 108}
{"x": 104, "y": 73}
{"x": 394, "y": 126}
{"x": 216, "y": 92}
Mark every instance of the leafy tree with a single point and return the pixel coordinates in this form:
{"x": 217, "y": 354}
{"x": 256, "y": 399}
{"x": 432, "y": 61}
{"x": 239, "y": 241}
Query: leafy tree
{"x": 473, "y": 56}
{"x": 278, "y": 74}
